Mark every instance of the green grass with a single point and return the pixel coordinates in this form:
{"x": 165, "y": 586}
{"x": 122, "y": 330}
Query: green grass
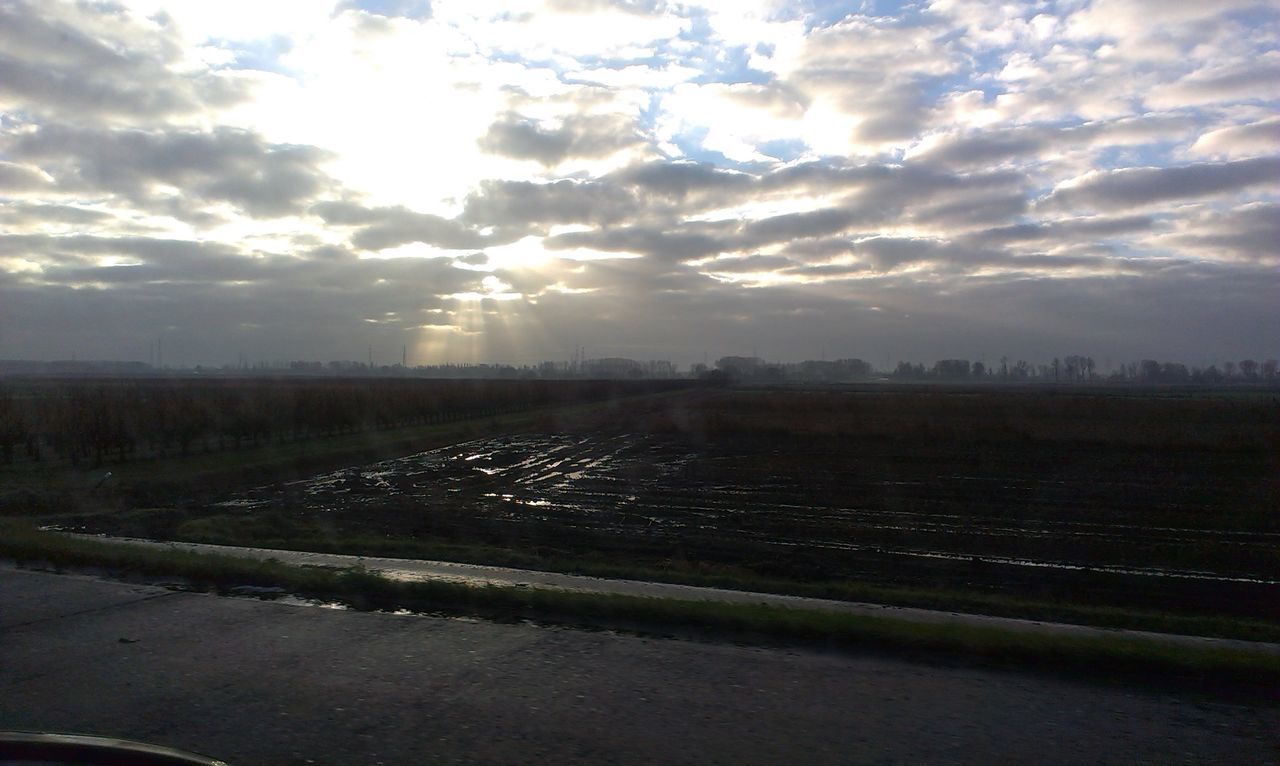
{"x": 219, "y": 531}
{"x": 1100, "y": 656}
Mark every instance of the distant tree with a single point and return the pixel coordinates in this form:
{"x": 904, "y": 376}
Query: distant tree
{"x": 1070, "y": 367}
{"x": 979, "y": 370}
{"x": 1249, "y": 369}
{"x": 1269, "y": 369}
{"x": 951, "y": 369}
{"x": 1172, "y": 372}
{"x": 1229, "y": 369}
{"x": 1148, "y": 371}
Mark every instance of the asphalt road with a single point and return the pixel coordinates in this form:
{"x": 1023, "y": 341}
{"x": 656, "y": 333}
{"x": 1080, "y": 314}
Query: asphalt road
{"x": 257, "y": 682}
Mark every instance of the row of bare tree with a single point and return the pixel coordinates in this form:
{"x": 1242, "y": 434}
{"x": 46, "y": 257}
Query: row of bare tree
{"x": 92, "y": 421}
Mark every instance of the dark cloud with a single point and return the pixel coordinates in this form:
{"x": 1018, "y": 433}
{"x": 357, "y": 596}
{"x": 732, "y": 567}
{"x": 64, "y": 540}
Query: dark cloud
{"x": 94, "y": 61}
{"x": 690, "y": 242}
{"x": 1027, "y": 143}
{"x": 971, "y": 211}
{"x": 1136, "y": 187}
{"x": 386, "y": 227}
{"x": 937, "y": 254}
{"x": 72, "y": 261}
{"x": 888, "y": 253}
{"x": 680, "y": 180}
{"x": 749, "y": 264}
{"x": 223, "y": 165}
{"x": 18, "y": 178}
{"x": 987, "y": 147}
{"x": 1247, "y": 80}
{"x": 22, "y": 215}
{"x": 397, "y": 226}
{"x": 1250, "y": 233}
{"x": 794, "y": 226}
{"x": 344, "y": 213}
{"x": 508, "y": 203}
{"x": 1068, "y": 230}
{"x": 580, "y": 136}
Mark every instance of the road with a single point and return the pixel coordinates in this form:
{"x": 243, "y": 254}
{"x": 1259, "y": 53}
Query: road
{"x": 257, "y": 682}
{"x": 476, "y": 574}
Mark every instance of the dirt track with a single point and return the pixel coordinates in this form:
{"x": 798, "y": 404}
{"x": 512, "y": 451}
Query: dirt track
{"x": 267, "y": 683}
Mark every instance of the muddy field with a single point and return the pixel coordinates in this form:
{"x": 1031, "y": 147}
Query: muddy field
{"x": 1160, "y": 502}
{"x": 809, "y": 509}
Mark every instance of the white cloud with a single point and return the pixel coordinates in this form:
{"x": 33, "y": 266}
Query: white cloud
{"x": 634, "y": 167}
{"x": 1251, "y": 140}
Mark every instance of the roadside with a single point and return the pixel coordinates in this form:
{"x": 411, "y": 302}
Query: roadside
{"x": 412, "y": 570}
{"x": 255, "y": 682}
{"x": 1205, "y": 663}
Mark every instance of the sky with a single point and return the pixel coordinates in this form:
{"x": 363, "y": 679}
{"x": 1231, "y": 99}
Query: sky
{"x": 483, "y": 181}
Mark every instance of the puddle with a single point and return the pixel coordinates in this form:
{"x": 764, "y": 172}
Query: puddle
{"x": 652, "y": 486}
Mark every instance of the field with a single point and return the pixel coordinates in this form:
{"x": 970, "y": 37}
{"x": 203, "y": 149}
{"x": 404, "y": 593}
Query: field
{"x": 1084, "y": 503}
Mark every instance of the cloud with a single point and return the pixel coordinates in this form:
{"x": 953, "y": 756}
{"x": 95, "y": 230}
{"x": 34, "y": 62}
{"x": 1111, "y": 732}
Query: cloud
{"x": 1250, "y": 233}
{"x": 1029, "y": 143}
{"x": 648, "y": 178}
{"x": 638, "y": 7}
{"x": 1137, "y": 187}
{"x": 1257, "y": 80}
{"x": 417, "y": 10}
{"x": 1251, "y": 140}
{"x": 680, "y": 181}
{"x": 187, "y": 168}
{"x": 749, "y": 264}
{"x": 387, "y": 227}
{"x": 1067, "y": 230}
{"x": 522, "y": 203}
{"x": 689, "y": 242}
{"x": 874, "y": 71}
{"x": 577, "y": 136}
{"x": 95, "y": 61}
{"x": 17, "y": 178}
{"x": 20, "y": 215}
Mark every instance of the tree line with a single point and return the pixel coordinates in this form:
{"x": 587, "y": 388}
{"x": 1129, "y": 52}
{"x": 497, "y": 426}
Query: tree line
{"x": 88, "y": 422}
{"x": 1083, "y": 369}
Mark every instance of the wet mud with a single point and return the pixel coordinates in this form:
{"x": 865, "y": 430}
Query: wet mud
{"x": 1063, "y": 527}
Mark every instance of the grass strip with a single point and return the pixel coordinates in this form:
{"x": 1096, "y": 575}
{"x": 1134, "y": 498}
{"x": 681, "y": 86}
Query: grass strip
{"x": 217, "y": 531}
{"x": 1099, "y": 655}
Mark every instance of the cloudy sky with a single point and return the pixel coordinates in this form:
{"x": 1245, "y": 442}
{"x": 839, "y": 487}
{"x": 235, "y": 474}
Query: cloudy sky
{"x": 507, "y": 181}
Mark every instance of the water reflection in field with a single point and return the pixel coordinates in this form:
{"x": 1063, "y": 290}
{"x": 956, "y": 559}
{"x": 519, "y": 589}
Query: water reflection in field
{"x": 761, "y": 497}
